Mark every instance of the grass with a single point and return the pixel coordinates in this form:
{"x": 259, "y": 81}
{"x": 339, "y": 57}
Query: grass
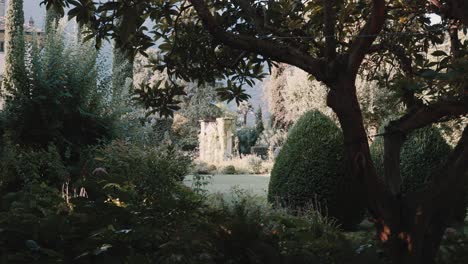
{"x": 256, "y": 184}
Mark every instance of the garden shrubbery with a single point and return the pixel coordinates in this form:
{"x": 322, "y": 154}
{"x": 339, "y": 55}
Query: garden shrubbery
{"x": 230, "y": 169}
{"x": 20, "y": 166}
{"x": 61, "y": 102}
{"x": 152, "y": 170}
{"x": 424, "y": 151}
{"x": 39, "y": 226}
{"x": 137, "y": 210}
{"x": 310, "y": 172}
{"x": 247, "y": 138}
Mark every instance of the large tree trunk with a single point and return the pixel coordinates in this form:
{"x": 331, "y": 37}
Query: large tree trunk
{"x": 343, "y": 100}
{"x": 416, "y": 237}
{"x": 412, "y": 227}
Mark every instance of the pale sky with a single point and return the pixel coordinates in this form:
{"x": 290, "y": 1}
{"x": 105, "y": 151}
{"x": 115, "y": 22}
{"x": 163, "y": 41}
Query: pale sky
{"x": 32, "y": 9}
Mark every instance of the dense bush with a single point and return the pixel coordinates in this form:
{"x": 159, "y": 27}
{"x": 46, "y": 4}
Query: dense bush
{"x": 423, "y": 152}
{"x": 61, "y": 102}
{"x": 454, "y": 249}
{"x": 247, "y": 138}
{"x": 255, "y": 163}
{"x": 203, "y": 168}
{"x": 39, "y": 226}
{"x": 260, "y": 151}
{"x": 230, "y": 169}
{"x": 152, "y": 171}
{"x": 310, "y": 171}
{"x": 20, "y": 167}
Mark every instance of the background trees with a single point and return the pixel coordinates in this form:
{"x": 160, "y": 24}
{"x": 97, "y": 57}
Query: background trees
{"x": 15, "y": 75}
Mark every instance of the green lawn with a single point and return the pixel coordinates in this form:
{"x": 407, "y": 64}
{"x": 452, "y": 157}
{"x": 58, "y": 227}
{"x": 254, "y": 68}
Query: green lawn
{"x": 256, "y": 184}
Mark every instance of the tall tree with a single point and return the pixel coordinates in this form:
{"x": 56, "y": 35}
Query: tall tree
{"x": 211, "y": 39}
{"x": 259, "y": 121}
{"x": 52, "y": 20}
{"x": 122, "y": 71}
{"x": 14, "y": 76}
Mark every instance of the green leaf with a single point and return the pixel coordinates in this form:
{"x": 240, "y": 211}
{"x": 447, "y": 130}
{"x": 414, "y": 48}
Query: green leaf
{"x": 439, "y": 53}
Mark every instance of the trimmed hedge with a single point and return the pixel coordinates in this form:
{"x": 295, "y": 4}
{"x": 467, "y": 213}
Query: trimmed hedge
{"x": 310, "y": 171}
{"x": 424, "y": 151}
{"x": 422, "y": 154}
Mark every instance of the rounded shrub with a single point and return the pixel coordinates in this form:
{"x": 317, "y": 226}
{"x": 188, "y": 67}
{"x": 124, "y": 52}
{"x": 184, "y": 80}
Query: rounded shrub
{"x": 424, "y": 151}
{"x": 229, "y": 170}
{"x": 310, "y": 171}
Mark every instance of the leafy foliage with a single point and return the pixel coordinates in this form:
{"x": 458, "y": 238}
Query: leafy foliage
{"x": 63, "y": 105}
{"x": 21, "y": 167}
{"x": 329, "y": 39}
{"x": 152, "y": 171}
{"x": 247, "y": 138}
{"x": 177, "y": 44}
{"x": 229, "y": 170}
{"x": 14, "y": 73}
{"x": 127, "y": 219}
{"x": 159, "y": 100}
{"x": 453, "y": 249}
{"x": 310, "y": 171}
{"x": 291, "y": 93}
{"x": 423, "y": 152}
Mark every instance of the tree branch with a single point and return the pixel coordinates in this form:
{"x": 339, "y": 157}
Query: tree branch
{"x": 329, "y": 21}
{"x": 406, "y": 65}
{"x": 454, "y": 40}
{"x": 429, "y": 114}
{"x": 396, "y": 131}
{"x": 364, "y": 40}
{"x": 267, "y": 48}
{"x": 392, "y": 147}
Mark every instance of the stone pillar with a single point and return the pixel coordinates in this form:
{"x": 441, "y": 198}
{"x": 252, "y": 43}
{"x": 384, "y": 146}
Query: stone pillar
{"x": 201, "y": 143}
{"x": 225, "y": 126}
{"x": 215, "y": 140}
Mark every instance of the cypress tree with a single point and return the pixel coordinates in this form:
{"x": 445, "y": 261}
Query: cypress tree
{"x": 14, "y": 75}
{"x": 52, "y": 20}
{"x": 259, "y": 121}
{"x": 122, "y": 69}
